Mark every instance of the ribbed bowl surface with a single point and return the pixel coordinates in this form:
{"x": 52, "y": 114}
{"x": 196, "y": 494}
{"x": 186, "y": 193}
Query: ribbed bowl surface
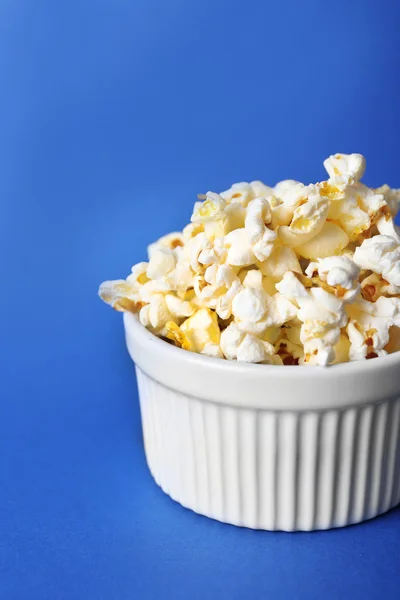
{"x": 274, "y": 470}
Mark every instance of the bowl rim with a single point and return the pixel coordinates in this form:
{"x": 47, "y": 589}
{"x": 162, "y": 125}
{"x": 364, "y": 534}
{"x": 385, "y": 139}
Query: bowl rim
{"x": 164, "y": 362}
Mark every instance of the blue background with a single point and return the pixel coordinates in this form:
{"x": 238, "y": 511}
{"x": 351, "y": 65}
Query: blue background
{"x": 113, "y": 115}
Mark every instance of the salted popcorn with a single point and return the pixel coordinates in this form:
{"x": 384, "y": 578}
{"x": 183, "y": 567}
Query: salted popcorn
{"x": 344, "y": 169}
{"x": 290, "y": 274}
{"x": 380, "y": 254}
{"x": 369, "y": 326}
{"x": 260, "y": 237}
{"x": 199, "y": 333}
{"x": 339, "y": 273}
{"x": 307, "y": 221}
{"x": 246, "y": 347}
{"x": 392, "y": 198}
{"x": 321, "y": 314}
{"x": 255, "y": 311}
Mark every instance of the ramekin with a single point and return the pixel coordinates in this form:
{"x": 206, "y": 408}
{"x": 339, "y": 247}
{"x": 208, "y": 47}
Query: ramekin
{"x": 268, "y": 447}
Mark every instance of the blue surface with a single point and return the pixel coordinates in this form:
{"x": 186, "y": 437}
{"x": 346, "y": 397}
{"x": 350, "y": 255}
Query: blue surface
{"x": 114, "y": 114}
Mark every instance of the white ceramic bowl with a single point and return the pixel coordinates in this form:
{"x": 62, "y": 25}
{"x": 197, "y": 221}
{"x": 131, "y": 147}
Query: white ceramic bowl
{"x": 268, "y": 447}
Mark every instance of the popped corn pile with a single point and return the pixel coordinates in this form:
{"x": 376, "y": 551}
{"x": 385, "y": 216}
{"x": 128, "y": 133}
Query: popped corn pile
{"x": 291, "y": 274}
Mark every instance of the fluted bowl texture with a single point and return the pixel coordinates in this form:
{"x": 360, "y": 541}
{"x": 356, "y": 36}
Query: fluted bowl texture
{"x": 269, "y": 447}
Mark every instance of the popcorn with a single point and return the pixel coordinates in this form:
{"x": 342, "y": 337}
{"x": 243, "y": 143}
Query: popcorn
{"x": 235, "y": 217}
{"x": 373, "y": 286}
{"x": 259, "y": 236}
{"x": 138, "y": 275}
{"x": 255, "y": 311}
{"x": 201, "y": 330}
{"x": 281, "y": 214}
{"x": 340, "y": 274}
{"x": 240, "y": 193}
{"x": 308, "y": 220}
{"x": 241, "y": 346}
{"x": 250, "y": 305}
{"x": 392, "y": 198}
{"x": 120, "y": 294}
{"x": 219, "y": 282}
{"x": 254, "y": 241}
{"x": 368, "y": 200}
{"x": 287, "y": 275}
{"x": 380, "y": 254}
{"x": 344, "y": 169}
{"x": 222, "y": 288}
{"x": 281, "y": 260}
{"x": 289, "y": 346}
{"x": 291, "y": 287}
{"x": 369, "y": 326}
{"x": 161, "y": 263}
{"x": 386, "y": 226}
{"x": 192, "y": 230}
{"x": 174, "y": 333}
{"x": 321, "y": 314}
{"x": 260, "y": 190}
{"x": 124, "y": 295}
{"x": 224, "y": 302}
{"x": 212, "y": 350}
{"x": 358, "y": 209}
{"x": 156, "y": 314}
{"x": 212, "y": 253}
{"x": 291, "y": 192}
{"x": 181, "y": 278}
{"x": 212, "y": 209}
{"x": 211, "y": 214}
{"x": 151, "y": 287}
{"x": 348, "y": 214}
{"x": 239, "y": 251}
{"x": 393, "y": 344}
{"x": 168, "y": 242}
{"x": 178, "y": 307}
{"x": 329, "y": 241}
{"x": 192, "y": 250}
{"x": 342, "y": 349}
